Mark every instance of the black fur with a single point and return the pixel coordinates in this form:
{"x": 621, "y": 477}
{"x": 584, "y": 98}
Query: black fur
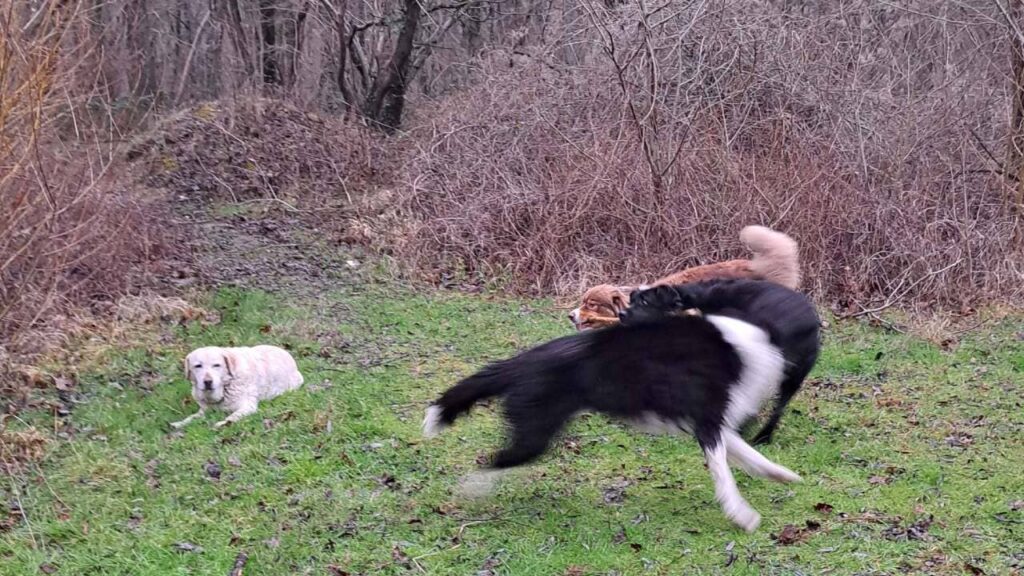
{"x": 787, "y": 316}
{"x": 622, "y": 371}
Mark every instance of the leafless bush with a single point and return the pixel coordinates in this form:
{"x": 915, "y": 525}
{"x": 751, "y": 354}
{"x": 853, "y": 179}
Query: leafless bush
{"x": 258, "y": 148}
{"x": 866, "y": 133}
{"x": 69, "y": 235}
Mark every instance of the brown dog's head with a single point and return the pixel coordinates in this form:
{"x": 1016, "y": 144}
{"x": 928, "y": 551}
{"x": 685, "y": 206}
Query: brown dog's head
{"x": 600, "y": 306}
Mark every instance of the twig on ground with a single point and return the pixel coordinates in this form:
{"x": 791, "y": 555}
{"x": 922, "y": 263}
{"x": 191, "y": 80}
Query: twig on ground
{"x": 240, "y": 562}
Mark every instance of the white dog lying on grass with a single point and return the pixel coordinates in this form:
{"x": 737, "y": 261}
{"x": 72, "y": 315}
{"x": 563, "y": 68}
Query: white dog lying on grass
{"x": 236, "y": 379}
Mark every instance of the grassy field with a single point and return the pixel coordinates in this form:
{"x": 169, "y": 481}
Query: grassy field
{"x": 912, "y": 458}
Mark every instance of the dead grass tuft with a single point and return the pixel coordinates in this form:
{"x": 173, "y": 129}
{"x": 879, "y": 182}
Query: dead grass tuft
{"x": 19, "y": 449}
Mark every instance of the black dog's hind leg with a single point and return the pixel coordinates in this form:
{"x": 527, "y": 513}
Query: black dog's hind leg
{"x": 530, "y": 437}
{"x": 789, "y": 387}
{"x": 727, "y": 493}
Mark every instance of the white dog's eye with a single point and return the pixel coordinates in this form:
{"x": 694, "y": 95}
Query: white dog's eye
{"x": 198, "y": 366}
{"x": 216, "y": 365}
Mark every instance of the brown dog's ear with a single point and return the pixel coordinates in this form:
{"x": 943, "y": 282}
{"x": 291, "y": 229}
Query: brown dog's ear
{"x": 620, "y": 298}
{"x": 230, "y": 362}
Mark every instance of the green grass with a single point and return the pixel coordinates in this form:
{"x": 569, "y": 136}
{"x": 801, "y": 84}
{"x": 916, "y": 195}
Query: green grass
{"x": 335, "y": 478}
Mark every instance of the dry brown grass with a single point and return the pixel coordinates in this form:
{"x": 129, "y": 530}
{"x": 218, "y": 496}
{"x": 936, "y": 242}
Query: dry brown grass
{"x": 674, "y": 130}
{"x": 19, "y": 448}
{"x": 259, "y": 149}
{"x": 70, "y": 235}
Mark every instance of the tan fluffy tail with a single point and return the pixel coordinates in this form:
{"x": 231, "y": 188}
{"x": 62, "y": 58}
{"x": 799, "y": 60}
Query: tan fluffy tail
{"x": 776, "y": 257}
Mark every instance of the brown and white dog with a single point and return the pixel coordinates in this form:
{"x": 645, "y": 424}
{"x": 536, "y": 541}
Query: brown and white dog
{"x": 776, "y": 259}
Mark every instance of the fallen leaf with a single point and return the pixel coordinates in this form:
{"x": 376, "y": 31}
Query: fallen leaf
{"x": 636, "y": 547}
{"x": 272, "y": 543}
{"x": 487, "y": 568}
{"x": 234, "y": 461}
{"x": 399, "y": 556}
{"x": 960, "y": 440}
{"x": 63, "y": 383}
{"x": 47, "y": 568}
{"x": 615, "y": 493}
{"x": 571, "y": 444}
{"x": 388, "y": 481}
{"x": 823, "y": 508}
{"x": 916, "y": 531}
{"x": 730, "y": 558}
{"x": 188, "y": 547}
{"x": 265, "y": 329}
{"x": 333, "y": 570}
{"x": 790, "y": 534}
{"x": 135, "y": 520}
{"x": 620, "y": 536}
{"x": 972, "y": 569}
{"x": 877, "y": 480}
{"x": 349, "y": 528}
{"x": 212, "y": 469}
{"x": 152, "y": 478}
{"x": 919, "y": 530}
{"x": 574, "y": 571}
{"x": 1017, "y": 505}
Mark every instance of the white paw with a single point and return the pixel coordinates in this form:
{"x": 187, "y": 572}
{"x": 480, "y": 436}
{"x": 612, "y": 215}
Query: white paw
{"x": 746, "y": 518}
{"x": 432, "y": 424}
{"x": 222, "y": 423}
{"x": 178, "y": 425}
{"x": 784, "y": 475}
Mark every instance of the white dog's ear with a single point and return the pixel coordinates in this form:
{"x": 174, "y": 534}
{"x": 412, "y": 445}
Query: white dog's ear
{"x": 231, "y": 362}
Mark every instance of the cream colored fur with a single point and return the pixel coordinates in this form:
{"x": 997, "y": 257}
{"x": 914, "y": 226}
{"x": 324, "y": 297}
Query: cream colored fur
{"x": 776, "y": 255}
{"x": 236, "y": 379}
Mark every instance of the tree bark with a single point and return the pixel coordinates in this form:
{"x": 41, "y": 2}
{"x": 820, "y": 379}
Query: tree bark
{"x": 1015, "y": 164}
{"x": 238, "y": 38}
{"x": 268, "y": 30}
{"x": 341, "y": 26}
{"x": 386, "y": 99}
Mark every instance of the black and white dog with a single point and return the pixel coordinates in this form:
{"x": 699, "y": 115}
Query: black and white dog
{"x": 705, "y": 375}
{"x": 787, "y": 316}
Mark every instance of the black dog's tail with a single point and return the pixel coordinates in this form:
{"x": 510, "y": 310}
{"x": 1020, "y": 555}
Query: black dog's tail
{"x": 457, "y": 400}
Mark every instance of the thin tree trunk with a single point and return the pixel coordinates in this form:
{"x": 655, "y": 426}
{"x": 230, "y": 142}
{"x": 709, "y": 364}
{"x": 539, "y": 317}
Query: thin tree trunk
{"x": 1015, "y": 151}
{"x": 297, "y": 43}
{"x": 268, "y": 17}
{"x": 386, "y": 99}
{"x": 238, "y": 38}
{"x": 341, "y": 26}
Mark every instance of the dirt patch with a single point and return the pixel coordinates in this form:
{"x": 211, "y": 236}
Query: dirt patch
{"x": 275, "y": 253}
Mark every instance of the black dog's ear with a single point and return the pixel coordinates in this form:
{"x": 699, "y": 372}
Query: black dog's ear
{"x": 685, "y": 298}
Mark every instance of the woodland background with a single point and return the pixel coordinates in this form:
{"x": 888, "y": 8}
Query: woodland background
{"x": 535, "y": 145}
